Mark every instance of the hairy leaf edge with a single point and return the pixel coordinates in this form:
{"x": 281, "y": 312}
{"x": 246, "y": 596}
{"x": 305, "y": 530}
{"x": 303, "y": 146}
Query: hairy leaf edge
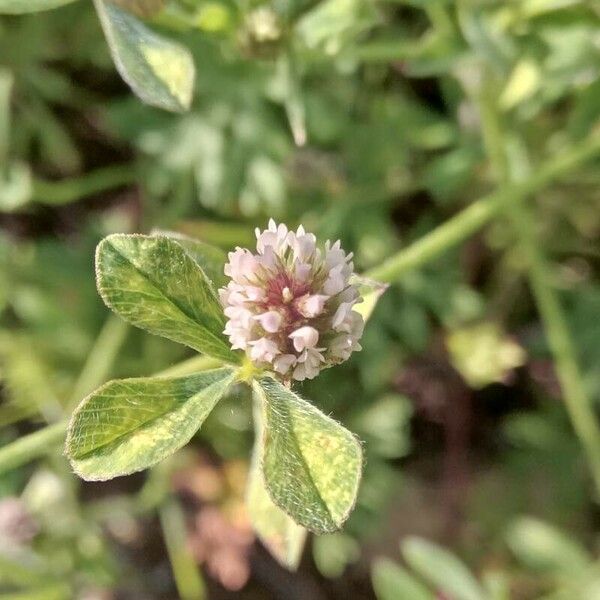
{"x": 107, "y": 28}
{"x": 71, "y": 425}
{"x": 106, "y": 300}
{"x": 360, "y": 469}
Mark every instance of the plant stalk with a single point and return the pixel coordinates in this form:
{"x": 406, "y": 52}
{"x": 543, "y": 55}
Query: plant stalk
{"x": 188, "y": 579}
{"x": 31, "y": 446}
{"x": 59, "y": 193}
{"x": 479, "y": 213}
{"x": 6, "y": 84}
{"x": 578, "y": 404}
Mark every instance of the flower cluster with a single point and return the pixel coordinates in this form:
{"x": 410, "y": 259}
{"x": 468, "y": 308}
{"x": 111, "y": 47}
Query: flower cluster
{"x": 290, "y": 306}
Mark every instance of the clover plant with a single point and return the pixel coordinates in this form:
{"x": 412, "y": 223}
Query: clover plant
{"x": 286, "y": 312}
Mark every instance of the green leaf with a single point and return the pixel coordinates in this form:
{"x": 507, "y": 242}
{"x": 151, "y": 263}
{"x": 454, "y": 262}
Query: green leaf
{"x": 311, "y": 464}
{"x": 154, "y": 284}
{"x": 19, "y": 7}
{"x": 131, "y": 424}
{"x": 391, "y": 582}
{"x": 160, "y": 71}
{"x": 16, "y": 187}
{"x": 542, "y": 547}
{"x": 523, "y": 82}
{"x": 441, "y": 568}
{"x": 211, "y": 259}
{"x": 282, "y": 537}
{"x": 333, "y": 553}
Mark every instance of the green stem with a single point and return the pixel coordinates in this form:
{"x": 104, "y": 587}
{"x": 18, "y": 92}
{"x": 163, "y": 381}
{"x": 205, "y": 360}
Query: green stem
{"x": 58, "y": 193}
{"x": 31, "y": 446}
{"x": 578, "y": 405}
{"x": 480, "y": 212}
{"x": 449, "y": 234}
{"x": 191, "y": 365}
{"x": 188, "y": 579}
{"x": 6, "y": 83}
{"x": 577, "y": 402}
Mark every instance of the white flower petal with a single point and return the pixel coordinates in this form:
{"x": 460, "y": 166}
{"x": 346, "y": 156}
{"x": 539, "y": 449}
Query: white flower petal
{"x": 341, "y": 314}
{"x": 263, "y": 350}
{"x": 311, "y": 305}
{"x": 336, "y": 281}
{"x": 304, "y": 337}
{"x": 270, "y": 321}
{"x": 283, "y": 363}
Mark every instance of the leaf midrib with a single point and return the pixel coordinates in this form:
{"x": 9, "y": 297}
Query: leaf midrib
{"x": 155, "y": 285}
{"x": 306, "y": 467}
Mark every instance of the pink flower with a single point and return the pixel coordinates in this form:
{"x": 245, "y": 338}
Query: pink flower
{"x": 304, "y": 337}
{"x": 290, "y": 305}
{"x": 311, "y": 305}
{"x": 270, "y": 321}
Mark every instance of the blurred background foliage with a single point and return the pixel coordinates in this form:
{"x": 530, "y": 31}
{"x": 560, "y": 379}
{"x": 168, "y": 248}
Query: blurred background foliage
{"x": 372, "y": 122}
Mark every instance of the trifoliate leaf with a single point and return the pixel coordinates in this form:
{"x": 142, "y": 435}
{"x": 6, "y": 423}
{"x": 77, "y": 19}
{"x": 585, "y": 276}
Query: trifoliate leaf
{"x": 160, "y": 71}
{"x": 131, "y": 424}
{"x": 522, "y": 83}
{"x": 16, "y": 187}
{"x": 484, "y": 354}
{"x": 311, "y": 464}
{"x": 333, "y": 553}
{"x": 153, "y": 283}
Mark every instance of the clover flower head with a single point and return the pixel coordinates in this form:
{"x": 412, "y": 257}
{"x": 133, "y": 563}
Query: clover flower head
{"x": 290, "y": 305}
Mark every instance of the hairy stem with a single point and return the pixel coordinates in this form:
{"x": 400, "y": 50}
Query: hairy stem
{"x": 31, "y": 446}
{"x": 188, "y": 579}
{"x": 577, "y": 402}
{"x": 58, "y": 193}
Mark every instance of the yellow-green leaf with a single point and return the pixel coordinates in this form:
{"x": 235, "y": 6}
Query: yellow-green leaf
{"x": 160, "y": 71}
{"x": 522, "y": 83}
{"x": 210, "y": 258}
{"x": 311, "y": 464}
{"x": 131, "y": 424}
{"x": 282, "y": 537}
{"x": 153, "y": 283}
